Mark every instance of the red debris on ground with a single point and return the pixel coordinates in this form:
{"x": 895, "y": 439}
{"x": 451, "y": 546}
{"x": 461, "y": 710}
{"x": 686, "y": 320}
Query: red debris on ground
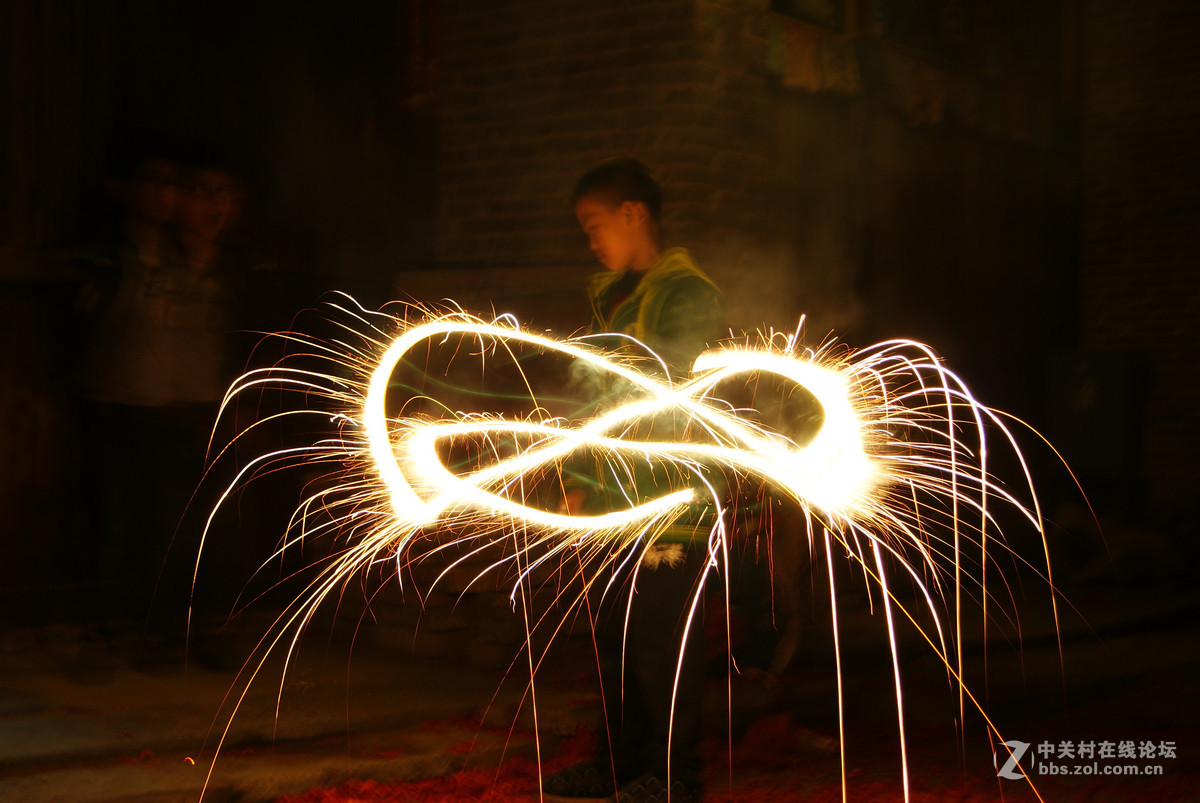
{"x": 146, "y": 757}
{"x": 394, "y": 752}
{"x": 514, "y": 781}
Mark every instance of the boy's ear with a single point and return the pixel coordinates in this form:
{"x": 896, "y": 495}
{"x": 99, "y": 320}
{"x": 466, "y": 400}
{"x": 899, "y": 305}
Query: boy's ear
{"x": 634, "y": 212}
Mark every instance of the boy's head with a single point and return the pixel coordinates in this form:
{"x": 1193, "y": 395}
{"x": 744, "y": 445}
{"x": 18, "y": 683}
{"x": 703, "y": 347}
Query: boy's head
{"x": 150, "y": 192}
{"x": 617, "y": 204}
{"x": 209, "y": 202}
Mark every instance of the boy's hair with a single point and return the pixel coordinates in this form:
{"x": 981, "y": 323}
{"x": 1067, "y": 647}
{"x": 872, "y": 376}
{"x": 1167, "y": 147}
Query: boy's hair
{"x": 621, "y": 179}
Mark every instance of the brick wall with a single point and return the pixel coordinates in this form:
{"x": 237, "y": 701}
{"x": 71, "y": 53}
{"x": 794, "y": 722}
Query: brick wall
{"x": 535, "y": 92}
{"x": 880, "y": 190}
{"x": 777, "y": 190}
{"x": 1140, "y": 252}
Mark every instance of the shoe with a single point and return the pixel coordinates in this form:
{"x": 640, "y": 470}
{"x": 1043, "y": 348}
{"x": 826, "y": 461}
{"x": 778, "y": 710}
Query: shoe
{"x": 652, "y": 789}
{"x": 588, "y": 779}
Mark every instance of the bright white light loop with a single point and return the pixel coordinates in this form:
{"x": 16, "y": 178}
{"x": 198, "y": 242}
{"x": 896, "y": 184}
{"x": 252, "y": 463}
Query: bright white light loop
{"x": 833, "y": 473}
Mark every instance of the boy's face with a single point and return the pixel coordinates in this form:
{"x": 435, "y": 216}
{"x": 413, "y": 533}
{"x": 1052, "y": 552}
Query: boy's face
{"x": 613, "y": 232}
{"x": 209, "y": 204}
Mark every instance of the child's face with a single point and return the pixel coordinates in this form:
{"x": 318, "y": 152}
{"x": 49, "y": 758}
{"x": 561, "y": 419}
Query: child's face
{"x": 612, "y": 231}
{"x": 209, "y": 204}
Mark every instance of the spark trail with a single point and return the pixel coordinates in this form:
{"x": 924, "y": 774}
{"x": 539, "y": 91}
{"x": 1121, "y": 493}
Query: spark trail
{"x": 891, "y": 469}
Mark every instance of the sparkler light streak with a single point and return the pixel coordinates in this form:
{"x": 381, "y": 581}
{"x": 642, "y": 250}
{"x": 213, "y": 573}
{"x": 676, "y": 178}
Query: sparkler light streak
{"x": 896, "y": 465}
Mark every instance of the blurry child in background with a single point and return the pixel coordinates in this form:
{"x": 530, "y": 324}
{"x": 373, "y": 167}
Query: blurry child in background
{"x": 152, "y": 374}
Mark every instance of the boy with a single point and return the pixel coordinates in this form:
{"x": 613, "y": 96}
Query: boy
{"x": 659, "y": 297}
{"x": 664, "y": 301}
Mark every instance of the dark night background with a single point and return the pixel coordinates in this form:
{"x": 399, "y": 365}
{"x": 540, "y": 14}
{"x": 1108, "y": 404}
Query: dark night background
{"x": 1014, "y": 183}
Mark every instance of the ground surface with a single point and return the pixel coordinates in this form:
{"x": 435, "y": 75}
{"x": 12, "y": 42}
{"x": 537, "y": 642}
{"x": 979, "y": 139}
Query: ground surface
{"x": 377, "y": 722}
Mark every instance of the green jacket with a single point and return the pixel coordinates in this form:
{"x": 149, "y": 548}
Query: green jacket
{"x": 677, "y": 311}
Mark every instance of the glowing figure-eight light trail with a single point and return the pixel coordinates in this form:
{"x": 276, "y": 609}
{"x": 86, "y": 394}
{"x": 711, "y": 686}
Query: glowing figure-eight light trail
{"x": 896, "y": 475}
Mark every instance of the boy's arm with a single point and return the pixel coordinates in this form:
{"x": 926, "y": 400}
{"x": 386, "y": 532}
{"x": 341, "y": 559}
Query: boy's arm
{"x": 691, "y": 319}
